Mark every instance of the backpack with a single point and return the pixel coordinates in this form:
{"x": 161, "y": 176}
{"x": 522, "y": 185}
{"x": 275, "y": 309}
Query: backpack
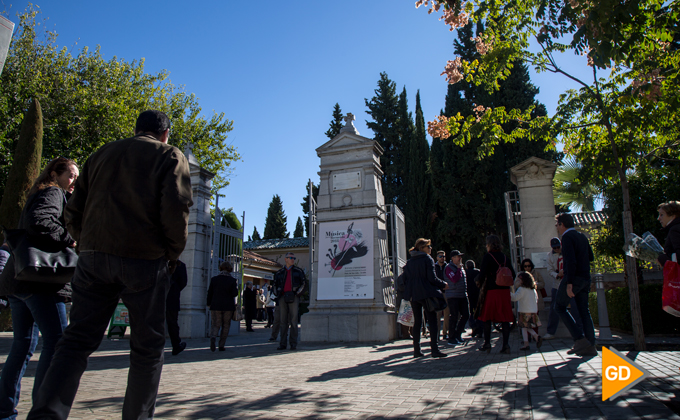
{"x": 503, "y": 274}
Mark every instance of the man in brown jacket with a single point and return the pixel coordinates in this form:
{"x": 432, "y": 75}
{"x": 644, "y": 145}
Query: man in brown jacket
{"x": 128, "y": 215}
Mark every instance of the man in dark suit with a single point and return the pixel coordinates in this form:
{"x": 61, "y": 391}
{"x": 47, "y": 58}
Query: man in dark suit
{"x": 576, "y": 256}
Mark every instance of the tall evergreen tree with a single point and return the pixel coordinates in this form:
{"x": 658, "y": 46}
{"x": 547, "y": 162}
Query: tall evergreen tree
{"x": 418, "y": 186}
{"x": 275, "y": 225}
{"x": 256, "y": 235}
{"x": 383, "y": 108}
{"x": 400, "y": 166}
{"x": 299, "y": 229}
{"x": 472, "y": 193}
{"x": 305, "y": 204}
{"x": 336, "y": 122}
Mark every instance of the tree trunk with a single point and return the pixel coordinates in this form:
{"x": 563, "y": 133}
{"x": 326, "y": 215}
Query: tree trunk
{"x": 631, "y": 271}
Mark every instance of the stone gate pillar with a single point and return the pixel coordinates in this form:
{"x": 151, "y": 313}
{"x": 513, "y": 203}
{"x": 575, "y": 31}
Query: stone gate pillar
{"x": 351, "y": 270}
{"x": 196, "y": 255}
{"x": 534, "y": 180}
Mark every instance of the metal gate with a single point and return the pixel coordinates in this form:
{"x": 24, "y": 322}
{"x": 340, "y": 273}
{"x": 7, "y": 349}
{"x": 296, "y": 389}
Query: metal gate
{"x": 227, "y": 245}
{"x": 396, "y": 226}
{"x": 514, "y": 218}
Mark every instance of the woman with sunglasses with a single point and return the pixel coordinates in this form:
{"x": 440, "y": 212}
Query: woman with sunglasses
{"x": 421, "y": 283}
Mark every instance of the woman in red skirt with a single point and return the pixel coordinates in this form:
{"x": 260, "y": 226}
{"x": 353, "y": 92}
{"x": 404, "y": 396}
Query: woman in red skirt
{"x": 494, "y": 301}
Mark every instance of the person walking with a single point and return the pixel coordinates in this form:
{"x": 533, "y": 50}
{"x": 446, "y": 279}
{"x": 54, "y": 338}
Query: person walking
{"x": 439, "y": 268}
{"x": 528, "y": 266}
{"x": 290, "y": 282}
{"x": 471, "y": 276}
{"x": 421, "y": 283}
{"x": 527, "y": 298}
{"x": 221, "y": 293}
{"x": 670, "y": 222}
{"x": 129, "y": 213}
{"x": 172, "y": 307}
{"x": 456, "y": 296}
{"x": 37, "y": 307}
{"x": 249, "y": 305}
{"x": 556, "y": 271}
{"x": 270, "y": 304}
{"x": 577, "y": 256}
{"x": 494, "y": 302}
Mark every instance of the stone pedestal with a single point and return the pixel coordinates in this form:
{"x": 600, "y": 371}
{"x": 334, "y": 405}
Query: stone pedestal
{"x": 350, "y": 190}
{"x": 196, "y": 255}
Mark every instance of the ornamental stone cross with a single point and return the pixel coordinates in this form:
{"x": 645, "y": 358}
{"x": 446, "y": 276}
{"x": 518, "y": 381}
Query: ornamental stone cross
{"x": 349, "y": 124}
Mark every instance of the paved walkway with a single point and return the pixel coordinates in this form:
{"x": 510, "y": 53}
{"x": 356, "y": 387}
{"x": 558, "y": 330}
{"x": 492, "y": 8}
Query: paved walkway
{"x": 251, "y": 379}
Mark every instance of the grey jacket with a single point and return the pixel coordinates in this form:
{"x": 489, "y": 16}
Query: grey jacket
{"x": 455, "y": 277}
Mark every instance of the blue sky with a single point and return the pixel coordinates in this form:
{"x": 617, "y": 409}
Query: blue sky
{"x": 277, "y": 69}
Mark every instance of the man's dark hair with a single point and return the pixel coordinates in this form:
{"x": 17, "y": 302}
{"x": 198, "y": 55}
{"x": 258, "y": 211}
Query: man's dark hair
{"x": 152, "y": 121}
{"x": 566, "y": 220}
{"x": 469, "y": 264}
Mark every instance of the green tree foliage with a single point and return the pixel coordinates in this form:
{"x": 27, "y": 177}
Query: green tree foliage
{"x": 275, "y": 225}
{"x": 470, "y": 191}
{"x": 383, "y": 108}
{"x": 569, "y": 190}
{"x": 418, "y": 184}
{"x": 336, "y": 122}
{"x": 256, "y": 235}
{"x": 25, "y": 168}
{"x": 299, "y": 231}
{"x": 305, "y": 204}
{"x": 88, "y": 101}
{"x": 230, "y": 219}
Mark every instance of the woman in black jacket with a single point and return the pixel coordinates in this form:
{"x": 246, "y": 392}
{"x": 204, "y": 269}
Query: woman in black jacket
{"x": 421, "y": 283}
{"x": 494, "y": 301}
{"x": 36, "y": 305}
{"x": 221, "y": 294}
{"x": 669, "y": 217}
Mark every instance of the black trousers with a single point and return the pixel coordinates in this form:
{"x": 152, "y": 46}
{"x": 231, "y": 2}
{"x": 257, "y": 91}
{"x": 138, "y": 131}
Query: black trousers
{"x": 171, "y": 317}
{"x": 459, "y": 313}
{"x": 431, "y": 317}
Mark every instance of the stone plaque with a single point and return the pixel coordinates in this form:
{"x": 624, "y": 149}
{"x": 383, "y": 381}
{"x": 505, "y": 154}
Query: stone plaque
{"x": 347, "y": 180}
{"x": 540, "y": 259}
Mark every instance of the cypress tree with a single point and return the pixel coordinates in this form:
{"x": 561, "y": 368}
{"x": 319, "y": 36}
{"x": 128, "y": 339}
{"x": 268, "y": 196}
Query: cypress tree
{"x": 256, "y": 234}
{"x": 471, "y": 195}
{"x": 336, "y": 122}
{"x": 275, "y": 225}
{"x": 25, "y": 166}
{"x": 305, "y": 204}
{"x": 418, "y": 208}
{"x": 384, "y": 111}
{"x": 400, "y": 167}
{"x": 299, "y": 229}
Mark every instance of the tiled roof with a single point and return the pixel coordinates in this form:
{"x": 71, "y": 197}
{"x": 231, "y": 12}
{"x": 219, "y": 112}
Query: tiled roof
{"x": 277, "y": 243}
{"x": 253, "y": 256}
{"x": 589, "y": 218}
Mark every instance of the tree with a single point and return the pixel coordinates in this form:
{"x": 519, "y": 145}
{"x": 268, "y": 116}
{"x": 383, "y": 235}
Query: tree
{"x": 25, "y": 168}
{"x": 418, "y": 186}
{"x": 615, "y": 121}
{"x": 256, "y": 235}
{"x": 275, "y": 225}
{"x": 299, "y": 229}
{"x": 305, "y": 205}
{"x": 336, "y": 122}
{"x": 570, "y": 191}
{"x": 87, "y": 101}
{"x": 383, "y": 108}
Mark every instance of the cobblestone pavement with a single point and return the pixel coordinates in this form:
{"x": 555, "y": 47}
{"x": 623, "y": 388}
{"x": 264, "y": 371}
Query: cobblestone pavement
{"x": 251, "y": 379}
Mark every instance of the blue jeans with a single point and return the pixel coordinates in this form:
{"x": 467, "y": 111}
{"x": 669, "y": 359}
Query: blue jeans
{"x": 30, "y": 313}
{"x": 100, "y": 280}
{"x": 554, "y": 317}
{"x": 580, "y": 287}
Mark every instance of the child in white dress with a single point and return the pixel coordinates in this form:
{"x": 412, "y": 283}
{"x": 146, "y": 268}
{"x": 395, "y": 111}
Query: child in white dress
{"x": 527, "y": 298}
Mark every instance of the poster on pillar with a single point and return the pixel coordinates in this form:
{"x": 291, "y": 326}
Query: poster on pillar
{"x": 346, "y": 260}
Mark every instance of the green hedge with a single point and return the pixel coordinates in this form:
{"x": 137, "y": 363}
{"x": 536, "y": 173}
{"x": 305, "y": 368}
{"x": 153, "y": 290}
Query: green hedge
{"x": 654, "y": 319}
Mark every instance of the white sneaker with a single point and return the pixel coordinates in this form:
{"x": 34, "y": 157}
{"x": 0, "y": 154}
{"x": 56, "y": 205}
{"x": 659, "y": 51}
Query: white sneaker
{"x": 548, "y": 337}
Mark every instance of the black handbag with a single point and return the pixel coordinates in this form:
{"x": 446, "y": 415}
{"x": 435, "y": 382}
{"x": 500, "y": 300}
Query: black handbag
{"x": 435, "y": 303}
{"x": 47, "y": 264}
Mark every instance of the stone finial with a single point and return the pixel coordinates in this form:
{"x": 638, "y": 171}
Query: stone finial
{"x": 189, "y": 153}
{"x": 349, "y": 124}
